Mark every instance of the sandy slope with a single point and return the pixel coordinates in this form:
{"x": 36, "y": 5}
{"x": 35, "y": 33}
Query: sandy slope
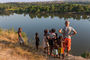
{"x": 17, "y": 53}
{"x": 6, "y": 54}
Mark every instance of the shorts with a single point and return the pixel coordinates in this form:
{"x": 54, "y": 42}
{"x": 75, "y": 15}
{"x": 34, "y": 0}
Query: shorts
{"x": 55, "y": 51}
{"x": 21, "y": 40}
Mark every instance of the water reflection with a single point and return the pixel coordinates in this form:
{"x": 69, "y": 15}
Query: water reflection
{"x": 52, "y": 15}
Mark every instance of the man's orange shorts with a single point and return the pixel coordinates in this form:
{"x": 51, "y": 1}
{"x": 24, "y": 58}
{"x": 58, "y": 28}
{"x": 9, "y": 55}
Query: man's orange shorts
{"x": 67, "y": 44}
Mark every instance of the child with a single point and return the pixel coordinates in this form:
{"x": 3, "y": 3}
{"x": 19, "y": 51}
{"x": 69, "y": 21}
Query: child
{"x": 55, "y": 49}
{"x": 37, "y": 40}
{"x": 52, "y": 37}
{"x": 45, "y": 41}
{"x": 60, "y": 48}
{"x": 20, "y": 36}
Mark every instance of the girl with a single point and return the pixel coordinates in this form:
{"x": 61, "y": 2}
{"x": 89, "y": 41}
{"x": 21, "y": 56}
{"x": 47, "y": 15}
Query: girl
{"x": 20, "y": 36}
{"x": 45, "y": 41}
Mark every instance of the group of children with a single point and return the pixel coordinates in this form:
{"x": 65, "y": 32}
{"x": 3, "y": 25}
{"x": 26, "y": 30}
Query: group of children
{"x": 52, "y": 44}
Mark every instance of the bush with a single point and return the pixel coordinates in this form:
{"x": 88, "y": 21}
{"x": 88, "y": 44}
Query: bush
{"x": 86, "y": 55}
{"x": 25, "y": 37}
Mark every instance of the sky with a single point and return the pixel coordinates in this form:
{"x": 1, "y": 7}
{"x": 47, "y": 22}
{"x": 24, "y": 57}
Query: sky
{"x": 3, "y": 1}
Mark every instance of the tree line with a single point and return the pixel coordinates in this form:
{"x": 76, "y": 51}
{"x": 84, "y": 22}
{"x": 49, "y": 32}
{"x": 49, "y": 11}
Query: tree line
{"x": 44, "y": 8}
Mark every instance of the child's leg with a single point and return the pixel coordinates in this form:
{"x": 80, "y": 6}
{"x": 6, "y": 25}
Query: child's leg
{"x": 63, "y": 55}
{"x": 51, "y": 48}
{"x": 36, "y": 46}
{"x": 59, "y": 55}
{"x": 45, "y": 50}
{"x": 48, "y": 50}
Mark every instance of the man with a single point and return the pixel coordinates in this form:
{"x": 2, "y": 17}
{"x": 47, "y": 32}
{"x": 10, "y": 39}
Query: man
{"x": 67, "y": 32}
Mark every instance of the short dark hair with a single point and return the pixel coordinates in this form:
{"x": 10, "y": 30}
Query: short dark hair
{"x": 67, "y": 22}
{"x": 53, "y": 30}
{"x": 36, "y": 33}
{"x": 19, "y": 29}
{"x": 60, "y": 37}
{"x": 46, "y": 31}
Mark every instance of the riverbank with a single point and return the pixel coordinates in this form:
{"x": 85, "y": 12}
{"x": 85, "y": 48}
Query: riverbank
{"x": 11, "y": 50}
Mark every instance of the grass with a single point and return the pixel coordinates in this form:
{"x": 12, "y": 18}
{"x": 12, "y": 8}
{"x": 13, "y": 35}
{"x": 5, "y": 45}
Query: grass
{"x": 86, "y": 55}
{"x": 9, "y": 41}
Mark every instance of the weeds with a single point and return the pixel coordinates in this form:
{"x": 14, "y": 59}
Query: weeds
{"x": 86, "y": 55}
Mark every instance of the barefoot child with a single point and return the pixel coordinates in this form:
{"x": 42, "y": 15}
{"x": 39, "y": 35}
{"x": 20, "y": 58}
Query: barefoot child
{"x": 60, "y": 47}
{"x": 37, "y": 40}
{"x": 45, "y": 41}
{"x": 55, "y": 49}
{"x": 52, "y": 37}
{"x": 20, "y": 36}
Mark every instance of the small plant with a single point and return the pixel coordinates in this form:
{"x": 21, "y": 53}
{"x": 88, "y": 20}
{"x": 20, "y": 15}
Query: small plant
{"x": 1, "y": 30}
{"x": 11, "y": 30}
{"x": 86, "y": 55}
{"x": 25, "y": 37}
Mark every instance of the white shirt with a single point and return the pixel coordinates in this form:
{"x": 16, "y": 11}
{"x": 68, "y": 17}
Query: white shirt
{"x": 67, "y": 31}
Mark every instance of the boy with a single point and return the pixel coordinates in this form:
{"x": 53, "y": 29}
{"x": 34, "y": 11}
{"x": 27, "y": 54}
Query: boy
{"x": 55, "y": 49}
{"x": 37, "y": 40}
{"x": 60, "y": 47}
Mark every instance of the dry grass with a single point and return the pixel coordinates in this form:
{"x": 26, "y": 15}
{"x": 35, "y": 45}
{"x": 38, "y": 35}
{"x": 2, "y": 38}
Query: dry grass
{"x": 10, "y": 47}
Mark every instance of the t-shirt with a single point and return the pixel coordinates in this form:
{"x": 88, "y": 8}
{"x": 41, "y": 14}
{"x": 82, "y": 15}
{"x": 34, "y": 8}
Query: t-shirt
{"x": 67, "y": 31}
{"x": 52, "y": 38}
{"x": 52, "y": 35}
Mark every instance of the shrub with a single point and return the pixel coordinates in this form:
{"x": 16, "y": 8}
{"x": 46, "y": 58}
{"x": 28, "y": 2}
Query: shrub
{"x": 86, "y": 55}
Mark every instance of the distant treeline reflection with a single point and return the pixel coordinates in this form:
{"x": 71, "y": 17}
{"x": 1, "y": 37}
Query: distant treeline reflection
{"x": 52, "y": 15}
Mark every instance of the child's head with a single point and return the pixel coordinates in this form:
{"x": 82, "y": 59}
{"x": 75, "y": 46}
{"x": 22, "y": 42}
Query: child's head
{"x": 45, "y": 31}
{"x": 20, "y": 29}
{"x": 53, "y": 30}
{"x": 50, "y": 31}
{"x": 60, "y": 37}
{"x": 36, "y": 34}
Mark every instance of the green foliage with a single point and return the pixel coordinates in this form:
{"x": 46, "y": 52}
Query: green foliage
{"x": 1, "y": 30}
{"x": 25, "y": 37}
{"x": 23, "y": 34}
{"x": 86, "y": 55}
{"x": 11, "y": 30}
{"x": 41, "y": 8}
